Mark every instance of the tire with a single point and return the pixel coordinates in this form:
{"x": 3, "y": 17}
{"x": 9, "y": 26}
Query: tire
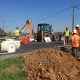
{"x": 46, "y": 35}
{"x": 57, "y": 37}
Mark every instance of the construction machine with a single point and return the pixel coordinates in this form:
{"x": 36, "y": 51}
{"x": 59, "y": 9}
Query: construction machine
{"x": 45, "y": 32}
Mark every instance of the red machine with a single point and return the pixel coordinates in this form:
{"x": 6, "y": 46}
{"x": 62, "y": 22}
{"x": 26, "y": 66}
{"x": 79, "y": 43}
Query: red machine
{"x": 25, "y": 40}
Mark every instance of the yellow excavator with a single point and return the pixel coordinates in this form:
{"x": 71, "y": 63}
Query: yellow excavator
{"x": 30, "y": 37}
{"x": 30, "y": 26}
{"x": 44, "y": 32}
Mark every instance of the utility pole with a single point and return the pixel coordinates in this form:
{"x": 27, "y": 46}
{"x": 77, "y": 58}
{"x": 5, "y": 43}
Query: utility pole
{"x": 3, "y": 25}
{"x": 73, "y": 14}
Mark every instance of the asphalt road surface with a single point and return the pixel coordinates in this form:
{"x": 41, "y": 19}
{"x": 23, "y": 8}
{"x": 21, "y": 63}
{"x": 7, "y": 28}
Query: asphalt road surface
{"x": 38, "y": 45}
{"x": 25, "y": 49}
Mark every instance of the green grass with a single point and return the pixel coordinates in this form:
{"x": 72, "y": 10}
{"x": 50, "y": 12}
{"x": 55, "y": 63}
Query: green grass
{"x": 12, "y": 69}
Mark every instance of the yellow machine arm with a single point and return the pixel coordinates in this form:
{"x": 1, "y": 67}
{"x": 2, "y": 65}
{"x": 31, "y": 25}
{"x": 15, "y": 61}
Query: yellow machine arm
{"x": 23, "y": 30}
{"x": 30, "y": 26}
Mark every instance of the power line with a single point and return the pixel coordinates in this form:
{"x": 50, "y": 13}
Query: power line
{"x": 59, "y": 12}
{"x": 54, "y": 14}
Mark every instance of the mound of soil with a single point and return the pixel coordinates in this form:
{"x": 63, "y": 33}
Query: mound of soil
{"x": 51, "y": 64}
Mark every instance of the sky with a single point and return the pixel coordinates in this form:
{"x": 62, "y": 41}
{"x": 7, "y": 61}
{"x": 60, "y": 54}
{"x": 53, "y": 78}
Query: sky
{"x": 58, "y": 13}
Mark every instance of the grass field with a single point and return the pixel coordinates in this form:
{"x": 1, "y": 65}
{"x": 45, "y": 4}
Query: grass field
{"x": 12, "y": 69}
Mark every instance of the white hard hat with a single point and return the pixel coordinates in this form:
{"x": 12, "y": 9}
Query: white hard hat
{"x": 74, "y": 31}
{"x": 77, "y": 25}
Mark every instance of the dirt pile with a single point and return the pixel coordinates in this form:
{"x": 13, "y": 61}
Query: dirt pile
{"x": 51, "y": 64}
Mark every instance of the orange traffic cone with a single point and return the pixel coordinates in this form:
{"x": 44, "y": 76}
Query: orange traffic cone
{"x": 64, "y": 43}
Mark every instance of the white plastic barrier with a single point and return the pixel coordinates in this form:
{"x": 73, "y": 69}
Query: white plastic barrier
{"x": 11, "y": 48}
{"x": 10, "y": 45}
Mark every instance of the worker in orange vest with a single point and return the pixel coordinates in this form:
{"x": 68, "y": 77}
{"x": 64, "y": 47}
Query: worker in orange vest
{"x": 78, "y": 29}
{"x": 75, "y": 41}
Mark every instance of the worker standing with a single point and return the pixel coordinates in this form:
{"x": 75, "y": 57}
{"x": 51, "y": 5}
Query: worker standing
{"x": 17, "y": 34}
{"x": 78, "y": 29}
{"x": 66, "y": 35}
{"x": 75, "y": 41}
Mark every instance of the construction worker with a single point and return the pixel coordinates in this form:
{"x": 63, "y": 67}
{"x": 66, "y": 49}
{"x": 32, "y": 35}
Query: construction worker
{"x": 78, "y": 29}
{"x": 66, "y": 35}
{"x": 17, "y": 34}
{"x": 75, "y": 41}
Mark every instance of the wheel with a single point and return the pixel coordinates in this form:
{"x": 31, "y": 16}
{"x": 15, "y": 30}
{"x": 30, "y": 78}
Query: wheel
{"x": 47, "y": 37}
{"x": 56, "y": 37}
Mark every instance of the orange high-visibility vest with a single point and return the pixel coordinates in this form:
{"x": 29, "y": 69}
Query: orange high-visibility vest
{"x": 75, "y": 40}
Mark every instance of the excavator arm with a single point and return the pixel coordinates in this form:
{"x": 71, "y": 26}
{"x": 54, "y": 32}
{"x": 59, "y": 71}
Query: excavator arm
{"x": 23, "y": 30}
{"x": 30, "y": 26}
{"x": 30, "y": 38}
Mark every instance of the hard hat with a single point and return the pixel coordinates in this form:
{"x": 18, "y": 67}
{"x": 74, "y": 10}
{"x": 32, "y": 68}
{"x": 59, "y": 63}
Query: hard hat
{"x": 74, "y": 31}
{"x": 77, "y": 25}
{"x": 66, "y": 27}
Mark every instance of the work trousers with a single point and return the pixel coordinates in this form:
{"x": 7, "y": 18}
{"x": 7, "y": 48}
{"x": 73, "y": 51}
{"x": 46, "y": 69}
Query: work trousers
{"x": 17, "y": 37}
{"x": 75, "y": 51}
{"x": 66, "y": 39}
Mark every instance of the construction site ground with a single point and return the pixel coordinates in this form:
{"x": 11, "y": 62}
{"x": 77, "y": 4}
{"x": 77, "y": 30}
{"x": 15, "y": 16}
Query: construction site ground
{"x": 47, "y": 61}
{"x": 51, "y": 64}
{"x": 27, "y": 49}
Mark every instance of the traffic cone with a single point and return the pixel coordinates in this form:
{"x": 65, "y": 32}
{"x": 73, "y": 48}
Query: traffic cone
{"x": 64, "y": 43}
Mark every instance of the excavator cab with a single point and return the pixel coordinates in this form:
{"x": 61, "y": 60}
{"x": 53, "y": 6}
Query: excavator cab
{"x": 43, "y": 30}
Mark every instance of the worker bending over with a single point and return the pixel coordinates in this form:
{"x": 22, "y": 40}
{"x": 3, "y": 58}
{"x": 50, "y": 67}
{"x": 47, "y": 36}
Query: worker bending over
{"x": 75, "y": 41}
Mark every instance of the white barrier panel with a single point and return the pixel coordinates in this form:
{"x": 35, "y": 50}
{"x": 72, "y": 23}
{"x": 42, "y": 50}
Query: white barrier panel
{"x": 11, "y": 48}
{"x": 10, "y": 45}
